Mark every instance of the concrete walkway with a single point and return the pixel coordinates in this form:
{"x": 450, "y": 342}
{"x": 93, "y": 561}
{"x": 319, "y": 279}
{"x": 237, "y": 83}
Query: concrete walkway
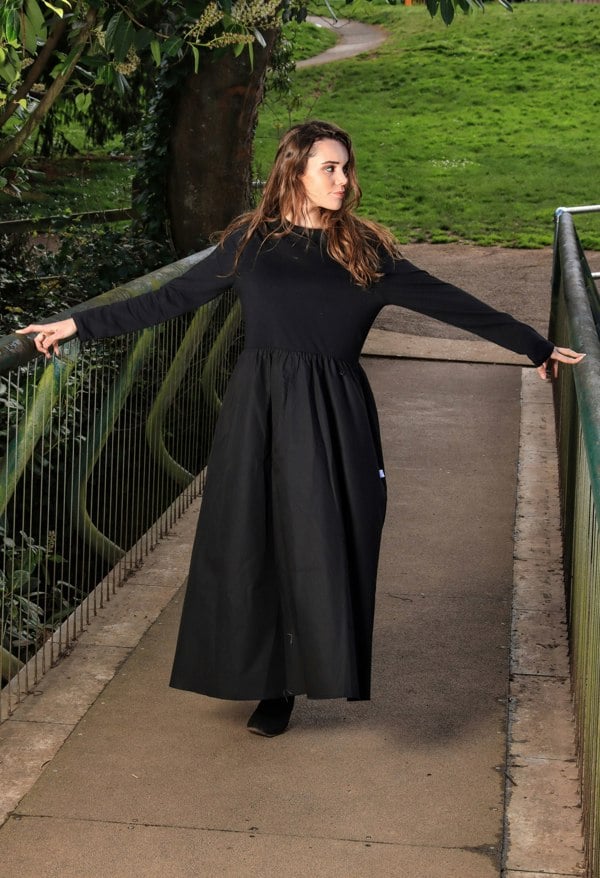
{"x": 155, "y": 782}
{"x": 354, "y": 38}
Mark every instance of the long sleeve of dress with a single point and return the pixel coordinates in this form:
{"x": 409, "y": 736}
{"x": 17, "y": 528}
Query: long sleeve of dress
{"x": 406, "y": 285}
{"x": 203, "y": 282}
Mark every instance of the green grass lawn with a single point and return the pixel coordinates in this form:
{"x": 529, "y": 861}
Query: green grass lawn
{"x": 309, "y": 39}
{"x": 474, "y": 132}
{"x": 73, "y": 185}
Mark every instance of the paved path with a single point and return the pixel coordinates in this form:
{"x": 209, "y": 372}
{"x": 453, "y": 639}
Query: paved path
{"x": 354, "y": 38}
{"x": 154, "y": 782}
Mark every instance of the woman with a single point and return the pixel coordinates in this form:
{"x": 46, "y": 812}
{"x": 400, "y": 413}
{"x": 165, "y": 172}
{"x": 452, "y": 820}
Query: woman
{"x": 281, "y": 590}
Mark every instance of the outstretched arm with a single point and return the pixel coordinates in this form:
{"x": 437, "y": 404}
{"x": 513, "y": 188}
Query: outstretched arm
{"x": 407, "y": 285}
{"x": 203, "y": 282}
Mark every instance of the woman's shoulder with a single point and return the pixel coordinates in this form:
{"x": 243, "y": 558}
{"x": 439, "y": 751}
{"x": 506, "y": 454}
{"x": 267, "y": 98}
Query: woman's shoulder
{"x": 242, "y": 231}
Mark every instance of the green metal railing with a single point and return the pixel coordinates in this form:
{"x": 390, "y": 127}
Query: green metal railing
{"x": 575, "y": 322}
{"x": 104, "y": 448}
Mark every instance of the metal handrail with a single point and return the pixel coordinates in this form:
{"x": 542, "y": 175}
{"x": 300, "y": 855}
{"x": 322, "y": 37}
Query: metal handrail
{"x": 584, "y": 208}
{"x": 575, "y": 323}
{"x": 103, "y": 445}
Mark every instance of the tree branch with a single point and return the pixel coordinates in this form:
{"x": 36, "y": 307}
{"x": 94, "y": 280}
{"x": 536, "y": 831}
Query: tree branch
{"x": 8, "y": 149}
{"x": 36, "y": 69}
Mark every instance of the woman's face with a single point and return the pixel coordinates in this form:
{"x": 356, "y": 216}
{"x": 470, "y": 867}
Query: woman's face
{"x": 324, "y": 180}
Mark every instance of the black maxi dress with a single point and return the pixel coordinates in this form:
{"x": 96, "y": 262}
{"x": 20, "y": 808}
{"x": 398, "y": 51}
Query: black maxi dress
{"x": 281, "y": 589}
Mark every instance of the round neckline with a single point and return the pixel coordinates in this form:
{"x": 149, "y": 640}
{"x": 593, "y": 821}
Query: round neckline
{"x": 306, "y": 230}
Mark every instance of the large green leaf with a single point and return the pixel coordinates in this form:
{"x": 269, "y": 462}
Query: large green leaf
{"x": 447, "y": 11}
{"x": 8, "y": 72}
{"x": 11, "y": 29}
{"x": 143, "y": 38}
{"x": 28, "y": 35}
{"x": 83, "y": 100}
{"x": 36, "y": 18}
{"x": 172, "y": 46}
{"x": 119, "y": 36}
{"x": 196, "y": 55}
{"x": 155, "y": 49}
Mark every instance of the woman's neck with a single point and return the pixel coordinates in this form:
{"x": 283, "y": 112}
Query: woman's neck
{"x": 310, "y": 219}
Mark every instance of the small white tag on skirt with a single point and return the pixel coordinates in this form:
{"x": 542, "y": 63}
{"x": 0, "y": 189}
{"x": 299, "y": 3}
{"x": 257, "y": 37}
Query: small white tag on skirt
{"x": 381, "y": 474}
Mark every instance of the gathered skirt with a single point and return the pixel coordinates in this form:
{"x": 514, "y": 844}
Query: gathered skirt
{"x": 281, "y": 591}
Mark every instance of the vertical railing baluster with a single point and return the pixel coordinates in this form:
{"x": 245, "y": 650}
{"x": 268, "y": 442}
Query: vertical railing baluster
{"x": 83, "y": 485}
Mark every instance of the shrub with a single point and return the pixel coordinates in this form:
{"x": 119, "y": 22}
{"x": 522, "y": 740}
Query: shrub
{"x": 37, "y": 280}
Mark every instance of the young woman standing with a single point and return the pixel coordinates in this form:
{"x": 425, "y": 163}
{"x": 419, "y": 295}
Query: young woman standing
{"x": 281, "y": 590}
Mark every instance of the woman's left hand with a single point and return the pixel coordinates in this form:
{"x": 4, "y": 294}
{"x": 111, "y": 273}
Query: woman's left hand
{"x": 549, "y": 369}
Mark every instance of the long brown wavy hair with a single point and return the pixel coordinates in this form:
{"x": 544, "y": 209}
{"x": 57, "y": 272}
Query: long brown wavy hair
{"x": 355, "y": 243}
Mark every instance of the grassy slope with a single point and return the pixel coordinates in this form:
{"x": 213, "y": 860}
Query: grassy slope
{"x": 309, "y": 39}
{"x": 474, "y": 132}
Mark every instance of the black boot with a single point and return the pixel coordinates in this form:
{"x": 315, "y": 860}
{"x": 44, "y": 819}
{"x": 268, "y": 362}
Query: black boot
{"x": 271, "y": 717}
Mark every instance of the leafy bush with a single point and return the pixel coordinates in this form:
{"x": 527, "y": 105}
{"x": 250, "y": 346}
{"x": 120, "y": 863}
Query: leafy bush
{"x": 32, "y": 600}
{"x": 36, "y": 282}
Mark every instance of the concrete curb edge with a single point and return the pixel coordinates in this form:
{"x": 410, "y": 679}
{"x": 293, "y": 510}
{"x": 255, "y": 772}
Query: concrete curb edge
{"x": 543, "y": 812}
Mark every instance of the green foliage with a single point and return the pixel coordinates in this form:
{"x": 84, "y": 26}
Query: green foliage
{"x": 96, "y": 118}
{"x": 471, "y": 133}
{"x": 15, "y": 179}
{"x": 49, "y": 60}
{"x": 125, "y": 36}
{"x": 32, "y": 600}
{"x": 149, "y": 186}
{"x": 34, "y": 282}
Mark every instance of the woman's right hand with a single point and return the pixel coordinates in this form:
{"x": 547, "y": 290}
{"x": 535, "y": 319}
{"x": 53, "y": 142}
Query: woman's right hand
{"x": 48, "y": 335}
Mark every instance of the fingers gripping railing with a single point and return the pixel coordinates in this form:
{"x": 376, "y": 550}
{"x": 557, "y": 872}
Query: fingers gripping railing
{"x": 575, "y": 322}
{"x": 103, "y": 450}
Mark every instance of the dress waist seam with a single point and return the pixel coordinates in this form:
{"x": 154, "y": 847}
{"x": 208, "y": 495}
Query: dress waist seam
{"x": 312, "y": 354}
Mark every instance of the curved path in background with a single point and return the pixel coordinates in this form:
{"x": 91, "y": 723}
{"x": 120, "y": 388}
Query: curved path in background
{"x": 354, "y": 38}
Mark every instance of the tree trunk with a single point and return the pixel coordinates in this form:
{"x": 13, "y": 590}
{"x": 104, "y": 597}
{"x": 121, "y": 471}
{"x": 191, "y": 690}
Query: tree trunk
{"x": 210, "y": 151}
